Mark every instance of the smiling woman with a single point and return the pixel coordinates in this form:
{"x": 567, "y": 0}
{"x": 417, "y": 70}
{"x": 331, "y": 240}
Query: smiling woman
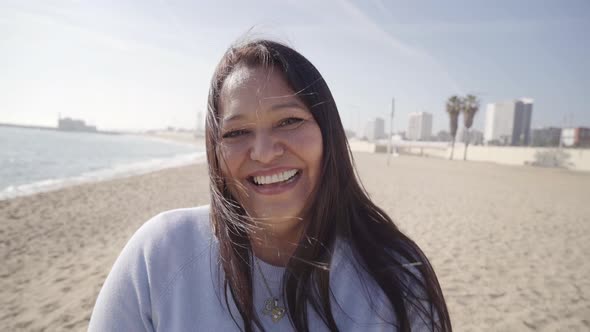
{"x": 270, "y": 151}
{"x": 290, "y": 241}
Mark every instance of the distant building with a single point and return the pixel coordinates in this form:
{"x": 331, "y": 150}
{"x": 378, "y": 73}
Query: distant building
{"x": 420, "y": 126}
{"x": 575, "y": 137}
{"x": 474, "y": 136}
{"x": 548, "y": 136}
{"x": 523, "y": 114}
{"x": 349, "y": 133}
{"x": 509, "y": 123}
{"x": 68, "y": 124}
{"x": 375, "y": 129}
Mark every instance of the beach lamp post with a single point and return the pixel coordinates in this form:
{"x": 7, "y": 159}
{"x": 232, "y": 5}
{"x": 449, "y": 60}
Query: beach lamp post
{"x": 390, "y": 145}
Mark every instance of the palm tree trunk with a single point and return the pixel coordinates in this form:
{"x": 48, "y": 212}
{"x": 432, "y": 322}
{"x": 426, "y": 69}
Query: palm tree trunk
{"x": 452, "y": 149}
{"x": 465, "y": 151}
{"x": 466, "y": 145}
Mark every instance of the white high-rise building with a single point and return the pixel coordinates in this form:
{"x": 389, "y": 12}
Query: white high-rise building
{"x": 375, "y": 129}
{"x": 509, "y": 123}
{"x": 420, "y": 126}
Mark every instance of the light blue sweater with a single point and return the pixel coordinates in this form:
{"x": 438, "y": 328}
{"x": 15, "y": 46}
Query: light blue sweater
{"x": 167, "y": 279}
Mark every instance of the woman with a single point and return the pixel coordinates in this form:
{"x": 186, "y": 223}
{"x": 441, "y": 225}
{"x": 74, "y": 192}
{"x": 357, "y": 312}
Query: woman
{"x": 291, "y": 240}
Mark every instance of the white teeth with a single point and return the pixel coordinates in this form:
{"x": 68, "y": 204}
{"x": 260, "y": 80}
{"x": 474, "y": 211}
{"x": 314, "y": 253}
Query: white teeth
{"x": 280, "y": 177}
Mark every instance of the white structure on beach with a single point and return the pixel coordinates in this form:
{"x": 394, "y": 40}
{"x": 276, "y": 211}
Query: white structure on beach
{"x": 474, "y": 136}
{"x": 420, "y": 126}
{"x": 547, "y": 136}
{"x": 509, "y": 122}
{"x": 579, "y": 137}
{"x": 375, "y": 129}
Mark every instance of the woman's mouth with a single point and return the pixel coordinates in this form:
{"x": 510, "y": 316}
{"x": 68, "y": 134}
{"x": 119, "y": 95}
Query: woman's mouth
{"x": 275, "y": 183}
{"x": 282, "y": 177}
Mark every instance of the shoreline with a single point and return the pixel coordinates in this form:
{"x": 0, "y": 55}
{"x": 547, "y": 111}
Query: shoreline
{"x": 106, "y": 174}
{"x": 116, "y": 172}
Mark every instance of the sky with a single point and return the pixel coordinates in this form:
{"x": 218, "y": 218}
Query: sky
{"x": 137, "y": 65}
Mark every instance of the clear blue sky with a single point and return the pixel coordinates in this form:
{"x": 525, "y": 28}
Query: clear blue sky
{"x": 147, "y": 64}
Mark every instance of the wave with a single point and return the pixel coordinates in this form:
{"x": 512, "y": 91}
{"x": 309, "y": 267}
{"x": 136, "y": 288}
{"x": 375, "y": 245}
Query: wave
{"x": 114, "y": 172}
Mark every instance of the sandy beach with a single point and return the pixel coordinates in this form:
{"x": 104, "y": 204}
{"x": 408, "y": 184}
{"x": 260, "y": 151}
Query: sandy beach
{"x": 510, "y": 244}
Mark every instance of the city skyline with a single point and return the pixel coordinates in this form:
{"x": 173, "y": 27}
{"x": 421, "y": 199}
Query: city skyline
{"x": 507, "y": 123}
{"x": 146, "y": 65}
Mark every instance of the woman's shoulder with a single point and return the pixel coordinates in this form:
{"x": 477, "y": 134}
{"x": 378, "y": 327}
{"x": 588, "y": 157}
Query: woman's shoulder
{"x": 149, "y": 267}
{"x": 169, "y": 240}
{"x": 405, "y": 264}
{"x": 181, "y": 231}
{"x": 172, "y": 219}
{"x": 166, "y": 244}
{"x": 355, "y": 282}
{"x": 177, "y": 222}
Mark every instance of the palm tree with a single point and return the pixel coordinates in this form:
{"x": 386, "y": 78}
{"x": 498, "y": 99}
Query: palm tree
{"x": 470, "y": 107}
{"x": 454, "y": 106}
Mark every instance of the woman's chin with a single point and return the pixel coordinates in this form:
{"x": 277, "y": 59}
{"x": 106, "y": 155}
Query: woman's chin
{"x": 277, "y": 215}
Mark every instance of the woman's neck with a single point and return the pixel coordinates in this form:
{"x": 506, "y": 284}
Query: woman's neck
{"x": 273, "y": 244}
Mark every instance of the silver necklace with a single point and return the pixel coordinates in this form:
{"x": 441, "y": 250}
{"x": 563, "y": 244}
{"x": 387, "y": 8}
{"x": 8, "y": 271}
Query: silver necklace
{"x": 271, "y": 305}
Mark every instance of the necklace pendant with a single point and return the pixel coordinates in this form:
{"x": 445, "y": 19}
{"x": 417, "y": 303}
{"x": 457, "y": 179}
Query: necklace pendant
{"x": 272, "y": 308}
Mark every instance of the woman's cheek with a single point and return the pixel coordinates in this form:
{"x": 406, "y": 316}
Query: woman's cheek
{"x": 232, "y": 158}
{"x": 229, "y": 160}
{"x": 235, "y": 150}
{"x": 308, "y": 139}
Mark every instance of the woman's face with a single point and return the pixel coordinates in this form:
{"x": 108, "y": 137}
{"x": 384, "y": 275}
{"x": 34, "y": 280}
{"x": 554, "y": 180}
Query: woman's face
{"x": 271, "y": 146}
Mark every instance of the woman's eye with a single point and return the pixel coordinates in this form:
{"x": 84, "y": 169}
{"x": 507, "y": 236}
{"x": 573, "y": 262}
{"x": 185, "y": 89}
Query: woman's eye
{"x": 290, "y": 122}
{"x": 235, "y": 133}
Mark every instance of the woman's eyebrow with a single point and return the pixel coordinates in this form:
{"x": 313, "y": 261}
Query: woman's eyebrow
{"x": 275, "y": 107}
{"x": 233, "y": 117}
{"x": 289, "y": 104}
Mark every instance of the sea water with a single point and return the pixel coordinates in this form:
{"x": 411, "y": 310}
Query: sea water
{"x": 34, "y": 160}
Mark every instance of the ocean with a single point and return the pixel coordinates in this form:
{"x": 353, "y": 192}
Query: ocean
{"x": 33, "y": 160}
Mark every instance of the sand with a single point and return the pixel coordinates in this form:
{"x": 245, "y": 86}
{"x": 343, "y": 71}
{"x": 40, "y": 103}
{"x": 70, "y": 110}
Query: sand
{"x": 58, "y": 247}
{"x": 509, "y": 244}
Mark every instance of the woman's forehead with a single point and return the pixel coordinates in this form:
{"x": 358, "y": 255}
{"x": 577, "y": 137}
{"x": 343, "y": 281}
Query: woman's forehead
{"x": 246, "y": 88}
{"x": 239, "y": 78}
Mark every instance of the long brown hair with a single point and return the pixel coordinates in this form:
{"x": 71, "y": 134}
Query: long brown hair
{"x": 341, "y": 208}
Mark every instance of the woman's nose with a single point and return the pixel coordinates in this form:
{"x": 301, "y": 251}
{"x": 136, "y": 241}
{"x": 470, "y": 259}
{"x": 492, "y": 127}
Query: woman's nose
{"x": 266, "y": 148}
